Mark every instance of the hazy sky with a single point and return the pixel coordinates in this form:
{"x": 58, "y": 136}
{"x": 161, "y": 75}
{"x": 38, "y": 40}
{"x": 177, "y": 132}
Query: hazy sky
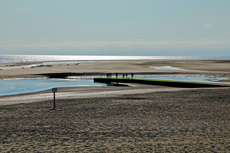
{"x": 115, "y": 27}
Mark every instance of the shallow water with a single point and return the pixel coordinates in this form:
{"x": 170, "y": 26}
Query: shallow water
{"x": 19, "y": 86}
{"x": 41, "y": 64}
{"x": 194, "y": 78}
{"x": 167, "y": 68}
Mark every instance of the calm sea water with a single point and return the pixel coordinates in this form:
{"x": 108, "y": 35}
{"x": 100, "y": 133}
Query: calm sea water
{"x": 35, "y": 58}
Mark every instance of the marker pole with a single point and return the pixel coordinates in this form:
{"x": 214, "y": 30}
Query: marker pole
{"x": 54, "y": 90}
{"x": 54, "y": 100}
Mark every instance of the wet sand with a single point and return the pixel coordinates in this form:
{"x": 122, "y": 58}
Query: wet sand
{"x": 135, "y": 118}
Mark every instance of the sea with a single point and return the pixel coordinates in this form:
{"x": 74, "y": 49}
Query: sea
{"x": 20, "y": 86}
{"x": 37, "y": 58}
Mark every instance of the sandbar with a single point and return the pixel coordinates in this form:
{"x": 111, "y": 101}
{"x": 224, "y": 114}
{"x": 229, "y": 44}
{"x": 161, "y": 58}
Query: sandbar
{"x": 208, "y": 67}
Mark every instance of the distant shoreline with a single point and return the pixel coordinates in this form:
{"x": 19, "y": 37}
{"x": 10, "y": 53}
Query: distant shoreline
{"x": 199, "y": 67}
{"x": 39, "y": 58}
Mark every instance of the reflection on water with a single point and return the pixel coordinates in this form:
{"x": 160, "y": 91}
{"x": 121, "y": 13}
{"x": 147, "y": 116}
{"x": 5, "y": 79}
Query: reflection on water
{"x": 33, "y": 58}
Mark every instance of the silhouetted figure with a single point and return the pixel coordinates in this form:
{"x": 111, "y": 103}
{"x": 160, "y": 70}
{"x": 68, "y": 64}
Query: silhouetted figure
{"x": 123, "y": 76}
{"x": 126, "y": 75}
{"x": 116, "y": 75}
{"x": 132, "y": 75}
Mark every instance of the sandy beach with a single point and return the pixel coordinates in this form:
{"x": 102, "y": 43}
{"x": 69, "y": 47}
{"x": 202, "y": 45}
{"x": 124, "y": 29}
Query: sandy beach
{"x": 194, "y": 120}
{"x": 134, "y": 118}
{"x": 209, "y": 67}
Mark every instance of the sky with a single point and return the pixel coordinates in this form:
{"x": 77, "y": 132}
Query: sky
{"x": 115, "y": 27}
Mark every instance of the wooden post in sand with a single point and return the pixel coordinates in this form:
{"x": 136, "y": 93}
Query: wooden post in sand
{"x": 54, "y": 90}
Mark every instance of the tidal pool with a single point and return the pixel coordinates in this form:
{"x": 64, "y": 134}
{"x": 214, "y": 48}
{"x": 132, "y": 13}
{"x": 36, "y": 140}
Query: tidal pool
{"x": 171, "y": 68}
{"x": 193, "y": 78}
{"x": 20, "y": 86}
